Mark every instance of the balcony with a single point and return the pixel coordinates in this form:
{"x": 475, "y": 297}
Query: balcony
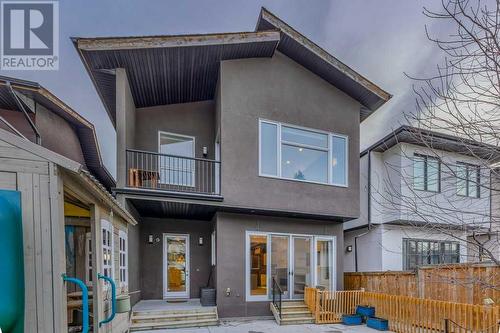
{"x": 172, "y": 174}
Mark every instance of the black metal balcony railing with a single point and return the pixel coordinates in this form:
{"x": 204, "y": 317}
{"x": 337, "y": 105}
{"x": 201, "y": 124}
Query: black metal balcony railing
{"x": 173, "y": 173}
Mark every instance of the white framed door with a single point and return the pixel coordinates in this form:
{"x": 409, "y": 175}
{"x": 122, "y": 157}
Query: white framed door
{"x": 175, "y": 266}
{"x": 324, "y": 262}
{"x": 301, "y": 265}
{"x": 176, "y": 160}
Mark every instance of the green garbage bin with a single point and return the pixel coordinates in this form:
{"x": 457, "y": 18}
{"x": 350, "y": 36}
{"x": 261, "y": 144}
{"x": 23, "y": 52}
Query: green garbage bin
{"x": 122, "y": 303}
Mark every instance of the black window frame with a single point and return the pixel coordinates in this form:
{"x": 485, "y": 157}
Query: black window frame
{"x": 426, "y": 176}
{"x": 444, "y": 255}
{"x": 477, "y": 170}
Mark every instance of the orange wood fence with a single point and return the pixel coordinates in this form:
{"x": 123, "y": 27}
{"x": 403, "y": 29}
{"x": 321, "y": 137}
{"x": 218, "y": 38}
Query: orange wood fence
{"x": 405, "y": 314}
{"x": 462, "y": 283}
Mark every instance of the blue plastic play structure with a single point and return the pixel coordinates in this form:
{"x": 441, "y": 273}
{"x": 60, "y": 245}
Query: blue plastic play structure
{"x": 12, "y": 263}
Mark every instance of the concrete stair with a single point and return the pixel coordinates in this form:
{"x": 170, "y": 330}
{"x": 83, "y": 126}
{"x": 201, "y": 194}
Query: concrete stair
{"x": 292, "y": 313}
{"x": 163, "y": 319}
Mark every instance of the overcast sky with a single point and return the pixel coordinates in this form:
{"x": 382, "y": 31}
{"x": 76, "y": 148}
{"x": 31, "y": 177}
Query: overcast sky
{"x": 380, "y": 39}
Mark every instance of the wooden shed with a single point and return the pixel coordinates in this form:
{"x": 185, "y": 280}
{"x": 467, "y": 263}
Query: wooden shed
{"x": 58, "y": 196}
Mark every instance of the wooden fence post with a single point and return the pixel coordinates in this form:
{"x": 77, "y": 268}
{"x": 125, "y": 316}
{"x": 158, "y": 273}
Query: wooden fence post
{"x": 446, "y": 326}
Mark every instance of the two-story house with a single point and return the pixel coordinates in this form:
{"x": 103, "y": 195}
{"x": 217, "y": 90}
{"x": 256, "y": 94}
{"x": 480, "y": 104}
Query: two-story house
{"x": 423, "y": 194}
{"x": 238, "y": 154}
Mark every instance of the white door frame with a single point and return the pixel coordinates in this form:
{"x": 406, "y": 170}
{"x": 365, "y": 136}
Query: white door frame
{"x": 314, "y": 239}
{"x": 166, "y": 293}
{"x": 291, "y": 280}
{"x": 333, "y": 263}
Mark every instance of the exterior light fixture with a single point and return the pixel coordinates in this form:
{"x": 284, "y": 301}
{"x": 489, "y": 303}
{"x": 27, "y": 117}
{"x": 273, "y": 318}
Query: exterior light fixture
{"x": 348, "y": 248}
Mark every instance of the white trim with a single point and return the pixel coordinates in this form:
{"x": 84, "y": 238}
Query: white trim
{"x": 193, "y": 174}
{"x": 123, "y": 235}
{"x": 88, "y": 262}
{"x": 108, "y": 226}
{"x": 166, "y": 293}
{"x": 328, "y": 149}
{"x": 291, "y": 236}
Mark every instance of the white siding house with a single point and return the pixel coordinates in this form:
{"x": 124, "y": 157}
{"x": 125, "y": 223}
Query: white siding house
{"x": 416, "y": 208}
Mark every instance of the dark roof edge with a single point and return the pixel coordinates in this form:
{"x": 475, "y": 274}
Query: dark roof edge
{"x": 420, "y": 131}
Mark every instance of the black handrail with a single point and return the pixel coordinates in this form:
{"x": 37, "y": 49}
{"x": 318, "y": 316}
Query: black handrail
{"x": 170, "y": 155}
{"x": 277, "y": 300}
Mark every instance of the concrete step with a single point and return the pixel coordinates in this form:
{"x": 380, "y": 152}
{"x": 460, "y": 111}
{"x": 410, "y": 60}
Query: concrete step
{"x": 174, "y": 312}
{"x": 297, "y": 320}
{"x": 173, "y": 324}
{"x": 180, "y": 317}
{"x": 295, "y": 314}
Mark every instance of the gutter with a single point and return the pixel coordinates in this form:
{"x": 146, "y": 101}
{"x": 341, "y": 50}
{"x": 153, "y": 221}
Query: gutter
{"x": 369, "y": 212}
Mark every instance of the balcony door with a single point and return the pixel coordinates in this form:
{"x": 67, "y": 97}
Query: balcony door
{"x": 176, "y": 163}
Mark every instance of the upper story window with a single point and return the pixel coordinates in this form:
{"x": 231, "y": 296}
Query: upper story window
{"x": 301, "y": 154}
{"x": 468, "y": 180}
{"x": 426, "y": 173}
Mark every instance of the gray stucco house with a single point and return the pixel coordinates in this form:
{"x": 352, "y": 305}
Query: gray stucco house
{"x": 238, "y": 153}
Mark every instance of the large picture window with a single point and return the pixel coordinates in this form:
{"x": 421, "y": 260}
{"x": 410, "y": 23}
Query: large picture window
{"x": 426, "y": 173}
{"x": 468, "y": 180}
{"x": 291, "y": 152}
{"x": 418, "y": 252}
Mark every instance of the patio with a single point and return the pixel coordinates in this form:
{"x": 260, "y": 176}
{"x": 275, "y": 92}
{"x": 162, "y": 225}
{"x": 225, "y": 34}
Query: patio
{"x": 269, "y": 326}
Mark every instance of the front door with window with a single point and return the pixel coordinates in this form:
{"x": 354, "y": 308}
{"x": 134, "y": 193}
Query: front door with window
{"x": 176, "y": 266}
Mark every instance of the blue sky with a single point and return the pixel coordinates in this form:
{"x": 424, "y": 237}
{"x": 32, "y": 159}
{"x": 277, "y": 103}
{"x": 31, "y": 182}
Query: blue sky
{"x": 380, "y": 39}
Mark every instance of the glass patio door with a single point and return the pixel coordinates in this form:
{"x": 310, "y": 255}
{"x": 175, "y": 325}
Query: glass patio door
{"x": 324, "y": 263}
{"x": 302, "y": 267}
{"x": 176, "y": 266}
{"x": 280, "y": 268}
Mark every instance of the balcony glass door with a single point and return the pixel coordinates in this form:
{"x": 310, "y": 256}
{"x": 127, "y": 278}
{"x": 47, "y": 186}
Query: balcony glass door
{"x": 176, "y": 266}
{"x": 174, "y": 169}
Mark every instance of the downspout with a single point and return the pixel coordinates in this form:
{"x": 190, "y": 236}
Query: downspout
{"x": 20, "y": 105}
{"x": 369, "y": 211}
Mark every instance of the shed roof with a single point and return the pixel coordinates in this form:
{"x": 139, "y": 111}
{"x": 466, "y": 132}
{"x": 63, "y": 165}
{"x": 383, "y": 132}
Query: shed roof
{"x": 184, "y": 68}
{"x": 84, "y": 129}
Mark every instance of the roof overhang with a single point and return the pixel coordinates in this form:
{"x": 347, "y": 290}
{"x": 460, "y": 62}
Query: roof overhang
{"x": 185, "y": 68}
{"x": 435, "y": 140}
{"x": 84, "y": 129}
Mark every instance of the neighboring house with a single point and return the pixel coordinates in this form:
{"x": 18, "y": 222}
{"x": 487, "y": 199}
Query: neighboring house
{"x": 238, "y": 153}
{"x": 418, "y": 204}
{"x": 28, "y": 109}
{"x": 66, "y": 213}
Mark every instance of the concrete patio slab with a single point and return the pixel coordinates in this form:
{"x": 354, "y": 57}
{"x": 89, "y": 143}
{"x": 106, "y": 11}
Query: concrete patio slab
{"x": 269, "y": 326}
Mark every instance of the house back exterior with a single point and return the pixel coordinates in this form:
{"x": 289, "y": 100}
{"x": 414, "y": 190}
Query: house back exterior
{"x": 423, "y": 195}
{"x": 238, "y": 154}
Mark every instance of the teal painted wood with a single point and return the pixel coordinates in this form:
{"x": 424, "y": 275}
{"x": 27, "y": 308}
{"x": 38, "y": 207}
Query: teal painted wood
{"x": 113, "y": 299}
{"x": 85, "y": 301}
{"x": 12, "y": 263}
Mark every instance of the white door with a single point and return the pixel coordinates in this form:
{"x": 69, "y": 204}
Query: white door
{"x": 301, "y": 262}
{"x": 176, "y": 159}
{"x": 176, "y": 266}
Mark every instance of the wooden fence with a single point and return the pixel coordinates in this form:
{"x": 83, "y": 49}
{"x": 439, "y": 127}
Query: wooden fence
{"x": 462, "y": 283}
{"x": 405, "y": 314}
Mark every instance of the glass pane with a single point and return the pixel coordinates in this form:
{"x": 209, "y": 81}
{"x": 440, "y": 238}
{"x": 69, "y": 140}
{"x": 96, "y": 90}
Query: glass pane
{"x": 304, "y": 164}
{"x": 258, "y": 262}
{"x": 324, "y": 260}
{"x": 279, "y": 262}
{"x": 176, "y": 145}
{"x": 269, "y": 149}
{"x": 418, "y": 172}
{"x": 432, "y": 174}
{"x": 302, "y": 265}
{"x": 339, "y": 155}
{"x": 304, "y": 137}
{"x": 473, "y": 181}
{"x": 176, "y": 264}
{"x": 461, "y": 179}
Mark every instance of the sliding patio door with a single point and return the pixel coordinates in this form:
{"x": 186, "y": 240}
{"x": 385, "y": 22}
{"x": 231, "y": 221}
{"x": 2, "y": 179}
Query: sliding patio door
{"x": 280, "y": 267}
{"x": 302, "y": 268}
{"x": 324, "y": 263}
